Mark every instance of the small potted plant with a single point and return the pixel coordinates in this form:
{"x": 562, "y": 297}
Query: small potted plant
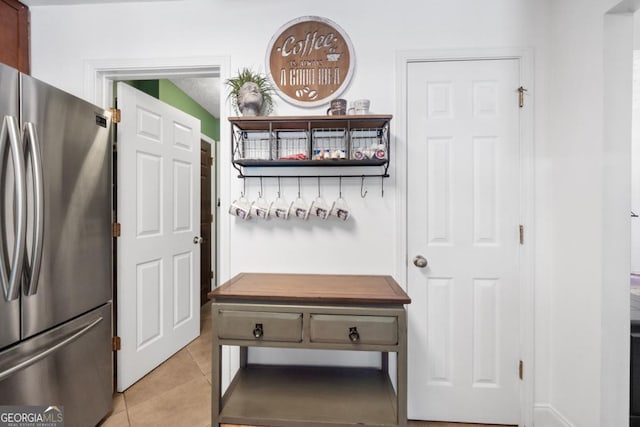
{"x": 250, "y": 93}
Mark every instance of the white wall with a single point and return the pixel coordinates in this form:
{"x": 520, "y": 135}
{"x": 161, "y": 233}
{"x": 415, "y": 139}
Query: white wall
{"x": 635, "y": 154}
{"x": 635, "y": 158}
{"x": 588, "y": 131}
{"x": 576, "y": 197}
{"x": 567, "y": 37}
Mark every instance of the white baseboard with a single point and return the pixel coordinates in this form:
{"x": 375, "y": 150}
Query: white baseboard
{"x": 545, "y": 415}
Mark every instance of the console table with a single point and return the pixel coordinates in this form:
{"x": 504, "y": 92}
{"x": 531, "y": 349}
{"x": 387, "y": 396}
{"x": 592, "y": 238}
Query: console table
{"x": 336, "y": 312}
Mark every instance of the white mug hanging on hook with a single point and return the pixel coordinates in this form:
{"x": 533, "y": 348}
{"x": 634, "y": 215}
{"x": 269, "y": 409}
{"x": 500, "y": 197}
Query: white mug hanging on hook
{"x": 340, "y": 209}
{"x": 241, "y": 207}
{"x": 260, "y": 208}
{"x": 280, "y": 208}
{"x": 319, "y": 207}
{"x": 300, "y": 208}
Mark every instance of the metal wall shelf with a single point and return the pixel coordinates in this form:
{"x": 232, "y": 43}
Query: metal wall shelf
{"x": 276, "y": 142}
{"x": 304, "y": 163}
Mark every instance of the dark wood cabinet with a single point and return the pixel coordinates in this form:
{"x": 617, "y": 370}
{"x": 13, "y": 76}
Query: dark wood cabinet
{"x": 14, "y": 35}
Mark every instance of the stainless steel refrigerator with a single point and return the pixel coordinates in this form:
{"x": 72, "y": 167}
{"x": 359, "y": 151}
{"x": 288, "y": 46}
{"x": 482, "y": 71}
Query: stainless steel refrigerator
{"x": 55, "y": 250}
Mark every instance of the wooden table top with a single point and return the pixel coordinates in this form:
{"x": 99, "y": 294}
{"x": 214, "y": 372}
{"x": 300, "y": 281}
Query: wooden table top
{"x": 304, "y": 288}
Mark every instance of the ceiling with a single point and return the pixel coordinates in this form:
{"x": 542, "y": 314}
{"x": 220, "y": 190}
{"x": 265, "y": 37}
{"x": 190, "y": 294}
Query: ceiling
{"x": 203, "y": 90}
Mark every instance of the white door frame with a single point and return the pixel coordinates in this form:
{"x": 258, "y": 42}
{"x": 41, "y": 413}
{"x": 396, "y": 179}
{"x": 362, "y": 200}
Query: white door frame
{"x": 527, "y": 218}
{"x": 214, "y": 199}
{"x": 98, "y": 88}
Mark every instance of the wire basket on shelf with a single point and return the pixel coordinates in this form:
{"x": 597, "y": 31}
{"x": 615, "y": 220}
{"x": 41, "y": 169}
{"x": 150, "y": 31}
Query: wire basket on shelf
{"x": 291, "y": 145}
{"x": 329, "y": 144}
{"x": 369, "y": 144}
{"x": 254, "y": 145}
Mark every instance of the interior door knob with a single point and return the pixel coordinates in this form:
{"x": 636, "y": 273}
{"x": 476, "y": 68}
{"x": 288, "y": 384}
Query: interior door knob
{"x": 420, "y": 261}
{"x": 197, "y": 240}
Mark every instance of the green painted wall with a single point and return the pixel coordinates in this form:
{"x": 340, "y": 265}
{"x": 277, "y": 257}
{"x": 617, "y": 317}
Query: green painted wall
{"x": 172, "y": 95}
{"x": 167, "y": 92}
{"x": 150, "y": 87}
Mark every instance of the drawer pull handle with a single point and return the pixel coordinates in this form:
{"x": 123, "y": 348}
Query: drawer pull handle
{"x": 258, "y": 331}
{"x": 354, "y": 336}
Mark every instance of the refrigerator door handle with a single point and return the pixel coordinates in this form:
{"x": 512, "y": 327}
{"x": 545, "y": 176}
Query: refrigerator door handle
{"x": 51, "y": 348}
{"x": 32, "y": 149}
{"x": 10, "y": 276}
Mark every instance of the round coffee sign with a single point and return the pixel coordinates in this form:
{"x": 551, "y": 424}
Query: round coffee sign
{"x": 310, "y": 60}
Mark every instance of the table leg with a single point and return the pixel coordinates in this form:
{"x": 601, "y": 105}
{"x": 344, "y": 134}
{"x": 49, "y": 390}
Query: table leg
{"x": 384, "y": 364}
{"x": 401, "y": 367}
{"x": 244, "y": 356}
{"x": 216, "y": 370}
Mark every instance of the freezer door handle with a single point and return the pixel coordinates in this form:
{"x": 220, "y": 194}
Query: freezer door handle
{"x": 32, "y": 268}
{"x": 61, "y": 342}
{"x": 10, "y": 276}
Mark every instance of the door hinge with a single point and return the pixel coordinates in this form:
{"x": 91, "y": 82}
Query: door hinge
{"x": 521, "y": 91}
{"x": 210, "y": 161}
{"x": 520, "y": 370}
{"x": 115, "y": 343}
{"x": 115, "y": 115}
{"x": 211, "y": 275}
{"x": 116, "y": 229}
{"x": 210, "y": 218}
{"x": 521, "y": 228}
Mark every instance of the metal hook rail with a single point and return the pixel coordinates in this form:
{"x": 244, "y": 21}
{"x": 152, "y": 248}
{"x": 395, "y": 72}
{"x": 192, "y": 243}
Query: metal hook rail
{"x": 383, "y": 174}
{"x": 363, "y": 191}
{"x": 314, "y": 176}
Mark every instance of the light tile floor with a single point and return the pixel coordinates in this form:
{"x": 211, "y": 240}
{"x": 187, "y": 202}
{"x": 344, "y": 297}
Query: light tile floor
{"x": 178, "y": 392}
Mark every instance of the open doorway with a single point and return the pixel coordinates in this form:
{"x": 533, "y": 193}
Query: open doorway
{"x": 101, "y": 75}
{"x": 199, "y": 77}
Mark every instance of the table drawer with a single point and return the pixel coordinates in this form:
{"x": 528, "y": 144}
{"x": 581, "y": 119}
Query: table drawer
{"x": 260, "y": 326}
{"x": 329, "y": 328}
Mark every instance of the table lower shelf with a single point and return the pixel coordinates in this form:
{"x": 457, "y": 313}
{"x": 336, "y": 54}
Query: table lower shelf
{"x": 283, "y": 396}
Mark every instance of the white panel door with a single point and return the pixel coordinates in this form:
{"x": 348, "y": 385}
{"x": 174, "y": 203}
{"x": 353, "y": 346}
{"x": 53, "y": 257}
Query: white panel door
{"x": 463, "y": 210}
{"x": 158, "y": 207}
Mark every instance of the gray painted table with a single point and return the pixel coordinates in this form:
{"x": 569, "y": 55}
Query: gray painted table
{"x": 335, "y": 312}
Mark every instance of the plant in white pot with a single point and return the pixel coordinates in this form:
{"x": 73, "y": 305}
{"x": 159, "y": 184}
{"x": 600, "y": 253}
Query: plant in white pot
{"x": 250, "y": 93}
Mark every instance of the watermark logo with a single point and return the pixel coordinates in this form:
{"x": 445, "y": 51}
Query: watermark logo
{"x": 31, "y": 416}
